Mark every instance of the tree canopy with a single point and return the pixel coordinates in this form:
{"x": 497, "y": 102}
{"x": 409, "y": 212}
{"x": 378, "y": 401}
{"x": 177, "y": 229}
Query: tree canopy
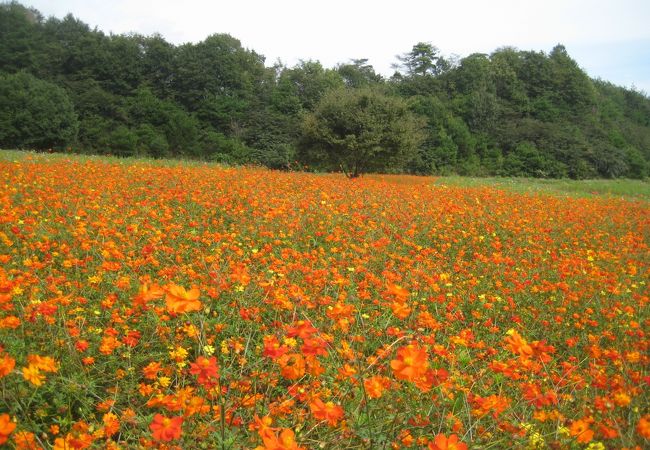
{"x": 512, "y": 112}
{"x": 35, "y": 113}
{"x": 360, "y": 130}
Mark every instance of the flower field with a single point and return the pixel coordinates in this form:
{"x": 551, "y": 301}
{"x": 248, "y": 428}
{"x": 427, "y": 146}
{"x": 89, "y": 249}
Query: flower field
{"x": 194, "y": 306}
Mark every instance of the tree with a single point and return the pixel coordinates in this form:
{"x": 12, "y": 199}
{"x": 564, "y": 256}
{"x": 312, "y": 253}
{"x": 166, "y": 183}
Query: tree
{"x": 19, "y": 37}
{"x": 302, "y": 86}
{"x": 423, "y": 59}
{"x": 361, "y": 130}
{"x": 358, "y": 73}
{"x": 35, "y": 114}
{"x": 216, "y": 70}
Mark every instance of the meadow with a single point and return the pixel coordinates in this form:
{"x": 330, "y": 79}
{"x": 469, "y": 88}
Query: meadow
{"x": 189, "y": 305}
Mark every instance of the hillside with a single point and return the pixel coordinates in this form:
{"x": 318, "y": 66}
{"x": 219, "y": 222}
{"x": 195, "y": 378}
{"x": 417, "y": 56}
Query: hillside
{"x": 174, "y": 304}
{"x": 513, "y": 112}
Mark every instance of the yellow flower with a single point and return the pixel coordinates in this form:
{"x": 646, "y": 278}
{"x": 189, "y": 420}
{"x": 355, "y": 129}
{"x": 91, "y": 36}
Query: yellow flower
{"x": 536, "y": 440}
{"x": 33, "y": 375}
{"x": 208, "y": 350}
{"x": 290, "y": 342}
{"x": 178, "y": 354}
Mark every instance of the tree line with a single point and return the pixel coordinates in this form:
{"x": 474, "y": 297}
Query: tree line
{"x": 67, "y": 87}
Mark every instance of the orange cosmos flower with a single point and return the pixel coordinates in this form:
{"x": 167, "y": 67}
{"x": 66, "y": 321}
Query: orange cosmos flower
{"x": 262, "y": 425}
{"x": 302, "y": 329}
{"x": 6, "y": 427}
{"x": 326, "y": 411}
{"x": 11, "y": 322}
{"x": 108, "y": 345}
{"x": 150, "y": 371}
{"x": 442, "y": 442}
{"x": 285, "y": 441}
{"x": 400, "y": 309}
{"x": 178, "y": 300}
{"x": 63, "y": 443}
{"x": 492, "y": 403}
{"x": 166, "y": 428}
{"x": 622, "y": 399}
{"x": 293, "y": 366}
{"x": 581, "y": 431}
{"x": 643, "y": 427}
{"x": 375, "y": 386}
{"x": 24, "y": 440}
{"x": 148, "y": 293}
{"x": 518, "y": 345}
{"x": 411, "y": 363}
{"x": 7, "y": 364}
{"x": 398, "y": 291}
{"x": 111, "y": 424}
{"x": 44, "y": 363}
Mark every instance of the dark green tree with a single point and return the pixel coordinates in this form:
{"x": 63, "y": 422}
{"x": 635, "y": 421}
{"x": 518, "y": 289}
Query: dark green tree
{"x": 361, "y": 130}
{"x": 301, "y": 87}
{"x": 358, "y": 73}
{"x": 20, "y": 38}
{"x": 35, "y": 114}
{"x": 423, "y": 59}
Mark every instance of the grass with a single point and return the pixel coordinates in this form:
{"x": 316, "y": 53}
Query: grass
{"x": 627, "y": 188}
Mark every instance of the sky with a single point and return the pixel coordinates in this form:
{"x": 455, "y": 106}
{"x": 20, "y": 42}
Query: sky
{"x": 608, "y": 39}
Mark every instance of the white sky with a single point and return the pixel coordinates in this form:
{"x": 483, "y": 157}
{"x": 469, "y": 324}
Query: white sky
{"x": 609, "y": 39}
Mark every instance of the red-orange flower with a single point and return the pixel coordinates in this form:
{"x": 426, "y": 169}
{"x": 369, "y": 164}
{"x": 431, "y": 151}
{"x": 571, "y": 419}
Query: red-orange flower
{"x": 411, "y": 363}
{"x": 643, "y": 427}
{"x": 6, "y": 427}
{"x": 7, "y": 364}
{"x": 493, "y": 403}
{"x": 205, "y": 369}
{"x": 150, "y": 371}
{"x": 178, "y": 300}
{"x": 293, "y": 366}
{"x": 328, "y": 411}
{"x": 273, "y": 348}
{"x": 286, "y": 440}
{"x": 442, "y": 442}
{"x": 166, "y": 428}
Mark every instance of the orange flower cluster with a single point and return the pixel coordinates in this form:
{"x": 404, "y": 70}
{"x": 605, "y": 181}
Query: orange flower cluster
{"x": 150, "y": 304}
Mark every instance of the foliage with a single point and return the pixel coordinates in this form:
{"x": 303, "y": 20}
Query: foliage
{"x": 35, "y": 113}
{"x": 361, "y": 130}
{"x": 215, "y": 99}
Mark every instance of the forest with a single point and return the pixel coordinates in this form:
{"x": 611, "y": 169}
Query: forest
{"x": 65, "y": 86}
